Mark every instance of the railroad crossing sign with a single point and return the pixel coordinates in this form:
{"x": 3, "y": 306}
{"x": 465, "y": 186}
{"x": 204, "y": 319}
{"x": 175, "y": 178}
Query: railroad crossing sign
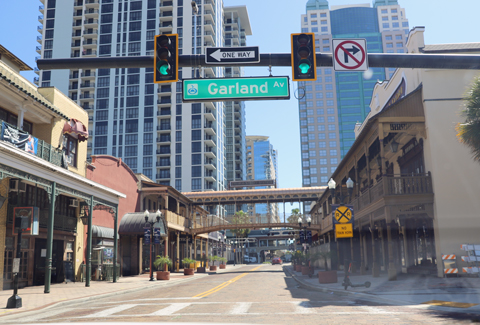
{"x": 343, "y": 220}
{"x": 343, "y": 214}
{"x": 349, "y": 54}
{"x": 243, "y": 54}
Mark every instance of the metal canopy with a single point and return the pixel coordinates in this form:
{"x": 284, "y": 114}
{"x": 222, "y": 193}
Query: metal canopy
{"x": 102, "y": 232}
{"x": 133, "y": 224}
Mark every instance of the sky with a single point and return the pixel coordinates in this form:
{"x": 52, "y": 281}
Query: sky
{"x": 272, "y": 22}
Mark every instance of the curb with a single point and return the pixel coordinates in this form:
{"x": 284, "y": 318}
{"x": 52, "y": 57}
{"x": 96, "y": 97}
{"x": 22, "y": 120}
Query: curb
{"x": 376, "y": 298}
{"x": 344, "y": 292}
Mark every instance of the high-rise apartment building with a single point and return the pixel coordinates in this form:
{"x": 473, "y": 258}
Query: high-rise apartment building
{"x": 146, "y": 124}
{"x": 336, "y": 101}
{"x": 262, "y": 165}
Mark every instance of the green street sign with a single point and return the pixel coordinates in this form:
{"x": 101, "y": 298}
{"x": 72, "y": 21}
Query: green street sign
{"x": 248, "y": 88}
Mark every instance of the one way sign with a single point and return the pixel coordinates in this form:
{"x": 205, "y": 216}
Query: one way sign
{"x": 349, "y": 54}
{"x": 229, "y": 55}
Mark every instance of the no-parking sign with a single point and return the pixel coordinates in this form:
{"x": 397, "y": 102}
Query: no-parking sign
{"x": 350, "y": 54}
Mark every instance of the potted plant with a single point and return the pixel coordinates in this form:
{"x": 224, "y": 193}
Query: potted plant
{"x": 214, "y": 258}
{"x": 160, "y": 263}
{"x": 223, "y": 261}
{"x": 326, "y": 276}
{"x": 305, "y": 269}
{"x": 203, "y": 261}
{"x": 297, "y": 257}
{"x": 187, "y": 263}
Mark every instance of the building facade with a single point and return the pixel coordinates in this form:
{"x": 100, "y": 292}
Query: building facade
{"x": 336, "y": 101}
{"x": 130, "y": 117}
{"x": 43, "y": 151}
{"x": 413, "y": 180}
{"x": 262, "y": 165}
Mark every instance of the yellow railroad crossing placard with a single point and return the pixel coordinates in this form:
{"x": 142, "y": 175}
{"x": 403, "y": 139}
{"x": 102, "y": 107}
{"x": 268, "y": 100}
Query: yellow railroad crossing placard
{"x": 343, "y": 214}
{"x": 344, "y": 230}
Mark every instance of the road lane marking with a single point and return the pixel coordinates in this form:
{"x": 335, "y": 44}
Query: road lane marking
{"x": 225, "y": 284}
{"x": 110, "y": 311}
{"x": 303, "y": 307}
{"x": 170, "y": 309}
{"x": 240, "y": 308}
{"x": 376, "y": 310}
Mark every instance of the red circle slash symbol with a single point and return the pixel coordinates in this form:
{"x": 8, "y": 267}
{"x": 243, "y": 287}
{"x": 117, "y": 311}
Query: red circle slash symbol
{"x": 349, "y": 53}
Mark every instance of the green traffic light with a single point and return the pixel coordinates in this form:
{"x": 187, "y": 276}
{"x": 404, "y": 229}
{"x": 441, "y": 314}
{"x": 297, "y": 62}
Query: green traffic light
{"x": 163, "y": 67}
{"x": 304, "y": 66}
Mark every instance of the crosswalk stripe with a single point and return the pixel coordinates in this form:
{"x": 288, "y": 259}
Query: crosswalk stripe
{"x": 170, "y": 309}
{"x": 240, "y": 308}
{"x": 110, "y": 311}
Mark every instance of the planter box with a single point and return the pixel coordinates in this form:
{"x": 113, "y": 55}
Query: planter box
{"x": 201, "y": 269}
{"x": 327, "y": 277}
{"x": 188, "y": 271}
{"x": 163, "y": 275}
{"x": 305, "y": 270}
{"x": 223, "y": 266}
{"x": 298, "y": 268}
{"x": 213, "y": 267}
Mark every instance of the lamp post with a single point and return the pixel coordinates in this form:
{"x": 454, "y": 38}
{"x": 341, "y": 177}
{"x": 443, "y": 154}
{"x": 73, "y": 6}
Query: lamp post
{"x": 151, "y": 223}
{"x": 309, "y": 222}
{"x": 331, "y": 186}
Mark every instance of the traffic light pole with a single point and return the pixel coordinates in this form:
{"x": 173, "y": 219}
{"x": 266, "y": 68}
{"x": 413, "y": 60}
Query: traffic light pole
{"x": 375, "y": 60}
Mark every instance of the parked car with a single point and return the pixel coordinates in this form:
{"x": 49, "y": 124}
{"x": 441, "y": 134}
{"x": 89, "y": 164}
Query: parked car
{"x": 276, "y": 260}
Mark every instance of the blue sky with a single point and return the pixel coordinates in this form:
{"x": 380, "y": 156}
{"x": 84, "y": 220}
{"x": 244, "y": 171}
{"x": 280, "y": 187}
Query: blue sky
{"x": 271, "y": 22}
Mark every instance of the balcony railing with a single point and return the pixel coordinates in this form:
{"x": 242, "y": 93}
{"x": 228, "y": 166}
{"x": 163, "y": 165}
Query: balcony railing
{"x": 46, "y": 151}
{"x": 394, "y": 185}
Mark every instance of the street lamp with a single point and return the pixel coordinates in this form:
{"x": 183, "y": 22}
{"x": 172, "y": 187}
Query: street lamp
{"x": 158, "y": 214}
{"x": 332, "y": 185}
{"x": 309, "y": 222}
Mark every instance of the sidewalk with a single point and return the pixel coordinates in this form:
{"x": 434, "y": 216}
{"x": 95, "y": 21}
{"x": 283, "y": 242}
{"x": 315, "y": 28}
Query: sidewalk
{"x": 34, "y": 297}
{"x": 460, "y": 294}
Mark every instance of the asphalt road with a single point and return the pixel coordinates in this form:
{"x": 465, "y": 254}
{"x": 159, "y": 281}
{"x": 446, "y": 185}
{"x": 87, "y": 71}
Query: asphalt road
{"x": 257, "y": 293}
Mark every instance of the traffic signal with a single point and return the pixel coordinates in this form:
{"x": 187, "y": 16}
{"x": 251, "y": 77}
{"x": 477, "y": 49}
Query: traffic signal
{"x": 304, "y": 65}
{"x": 166, "y": 58}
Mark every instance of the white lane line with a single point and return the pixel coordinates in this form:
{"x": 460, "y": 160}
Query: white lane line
{"x": 110, "y": 311}
{"x": 170, "y": 309}
{"x": 240, "y": 308}
{"x": 375, "y": 310}
{"x": 34, "y": 318}
{"x": 303, "y": 307}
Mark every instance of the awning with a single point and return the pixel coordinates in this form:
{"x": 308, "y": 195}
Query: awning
{"x": 76, "y": 129}
{"x": 102, "y": 232}
{"x": 133, "y": 224}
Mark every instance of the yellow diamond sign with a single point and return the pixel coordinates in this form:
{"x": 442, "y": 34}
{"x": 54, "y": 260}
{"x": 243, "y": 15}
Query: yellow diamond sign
{"x": 343, "y": 214}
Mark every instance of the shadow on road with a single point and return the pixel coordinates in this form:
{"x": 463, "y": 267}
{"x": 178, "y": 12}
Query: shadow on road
{"x": 317, "y": 298}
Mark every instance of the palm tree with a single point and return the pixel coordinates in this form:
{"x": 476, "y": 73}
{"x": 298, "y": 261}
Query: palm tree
{"x": 240, "y": 218}
{"x": 468, "y": 133}
{"x": 294, "y": 216}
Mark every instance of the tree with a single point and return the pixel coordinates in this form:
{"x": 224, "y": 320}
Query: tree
{"x": 294, "y": 216}
{"x": 468, "y": 133}
{"x": 240, "y": 218}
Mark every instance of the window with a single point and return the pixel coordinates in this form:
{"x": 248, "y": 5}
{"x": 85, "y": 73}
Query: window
{"x": 70, "y": 148}
{"x": 306, "y": 172}
{"x": 323, "y": 161}
{"x": 329, "y": 102}
{"x": 319, "y": 103}
{"x": 322, "y": 153}
{"x": 313, "y": 170}
{"x": 313, "y": 161}
{"x": 388, "y": 37}
{"x": 384, "y": 11}
{"x": 323, "y": 170}
{"x": 196, "y": 183}
{"x": 321, "y": 136}
{"x": 329, "y": 94}
{"x": 324, "y": 29}
{"x": 147, "y": 162}
{"x": 323, "y": 179}
{"x": 320, "y": 111}
{"x": 321, "y": 127}
{"x": 332, "y": 169}
{"x": 306, "y": 181}
{"x": 385, "y": 18}
{"x": 304, "y": 30}
{"x": 332, "y": 135}
{"x": 395, "y": 25}
{"x": 320, "y": 119}
{"x": 305, "y": 163}
{"x": 331, "y": 119}
{"x": 333, "y": 152}
{"x": 332, "y": 144}
{"x": 394, "y": 17}
{"x": 322, "y": 144}
{"x": 386, "y": 25}
{"x": 399, "y": 44}
{"x": 147, "y": 150}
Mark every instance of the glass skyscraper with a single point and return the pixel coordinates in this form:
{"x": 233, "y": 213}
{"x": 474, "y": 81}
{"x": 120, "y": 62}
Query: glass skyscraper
{"x": 192, "y": 147}
{"x": 336, "y": 101}
{"x": 262, "y": 165}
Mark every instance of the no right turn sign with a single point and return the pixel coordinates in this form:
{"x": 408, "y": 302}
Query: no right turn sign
{"x": 349, "y": 54}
